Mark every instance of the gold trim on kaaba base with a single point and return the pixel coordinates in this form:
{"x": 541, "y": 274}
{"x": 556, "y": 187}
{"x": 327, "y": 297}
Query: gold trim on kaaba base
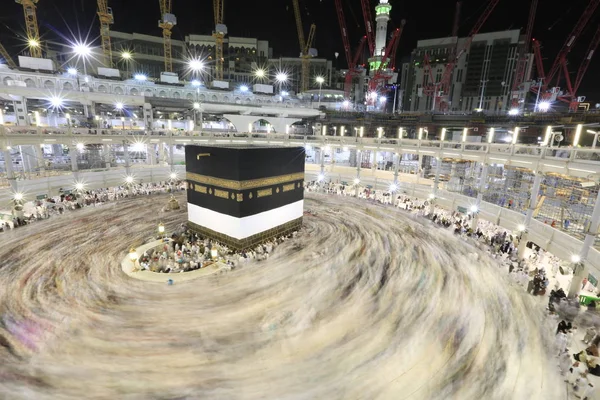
{"x": 251, "y": 241}
{"x": 244, "y": 185}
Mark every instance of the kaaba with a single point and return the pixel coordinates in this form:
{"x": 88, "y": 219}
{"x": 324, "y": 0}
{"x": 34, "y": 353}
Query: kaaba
{"x": 244, "y": 195}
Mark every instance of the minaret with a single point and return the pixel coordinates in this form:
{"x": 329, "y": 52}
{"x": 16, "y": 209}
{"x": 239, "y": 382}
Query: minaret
{"x": 382, "y": 16}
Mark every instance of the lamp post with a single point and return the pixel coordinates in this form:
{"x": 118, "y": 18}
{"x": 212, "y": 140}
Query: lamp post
{"x": 126, "y": 57}
{"x": 129, "y": 183}
{"x": 83, "y": 51}
{"x": 79, "y": 191}
{"x": 595, "y": 133}
{"x": 281, "y": 78}
{"x": 320, "y": 81}
{"x": 161, "y": 230}
{"x": 133, "y": 257}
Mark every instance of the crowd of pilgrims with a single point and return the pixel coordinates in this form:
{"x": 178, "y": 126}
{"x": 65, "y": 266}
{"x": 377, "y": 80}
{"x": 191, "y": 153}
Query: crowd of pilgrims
{"x": 71, "y": 200}
{"x": 500, "y": 243}
{"x": 529, "y": 273}
{"x": 187, "y": 251}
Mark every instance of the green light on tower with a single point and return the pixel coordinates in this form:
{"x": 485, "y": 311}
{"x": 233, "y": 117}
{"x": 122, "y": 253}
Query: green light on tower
{"x": 383, "y": 9}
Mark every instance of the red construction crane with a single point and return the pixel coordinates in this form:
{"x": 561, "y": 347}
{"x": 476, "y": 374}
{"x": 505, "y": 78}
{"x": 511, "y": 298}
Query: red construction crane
{"x": 385, "y": 70}
{"x": 539, "y": 64}
{"x": 366, "y": 8}
{"x": 571, "y": 94}
{"x": 561, "y": 57}
{"x": 523, "y": 59}
{"x": 353, "y": 69}
{"x": 549, "y": 90}
{"x": 344, "y": 31}
{"x": 352, "y": 61}
{"x": 442, "y": 86}
{"x": 586, "y": 62}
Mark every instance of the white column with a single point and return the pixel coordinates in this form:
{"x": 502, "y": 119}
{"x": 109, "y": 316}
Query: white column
{"x": 438, "y": 168}
{"x": 396, "y": 167}
{"x": 39, "y": 156}
{"x": 106, "y": 153}
{"x": 373, "y": 160}
{"x": 171, "y": 155}
{"x": 535, "y": 191}
{"x": 150, "y": 154}
{"x": 10, "y": 174}
{"x": 358, "y": 165}
{"x": 127, "y": 160}
{"x": 480, "y": 191}
{"x": 588, "y": 243}
{"x": 20, "y": 107}
{"x": 148, "y": 116}
{"x": 161, "y": 152}
{"x": 73, "y": 156}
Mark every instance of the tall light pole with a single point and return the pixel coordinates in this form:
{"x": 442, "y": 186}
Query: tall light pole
{"x": 281, "y": 78}
{"x": 595, "y": 133}
{"x": 83, "y": 51}
{"x": 480, "y": 108}
{"x": 196, "y": 66}
{"x": 320, "y": 81}
{"x": 196, "y": 108}
{"x": 126, "y": 56}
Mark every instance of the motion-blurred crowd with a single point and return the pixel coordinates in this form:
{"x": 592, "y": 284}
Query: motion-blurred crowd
{"x": 530, "y": 273}
{"x": 69, "y": 200}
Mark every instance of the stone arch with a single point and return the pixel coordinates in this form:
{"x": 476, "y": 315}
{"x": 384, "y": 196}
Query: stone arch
{"x": 148, "y": 93}
{"x": 102, "y": 89}
{"x": 189, "y": 96}
{"x": 214, "y": 98}
{"x": 300, "y": 128}
{"x": 162, "y": 93}
{"x": 176, "y": 95}
{"x": 237, "y": 100}
{"x": 228, "y": 122}
{"x": 269, "y": 101}
{"x": 258, "y": 101}
{"x": 134, "y": 92}
{"x": 49, "y": 84}
{"x": 247, "y": 100}
{"x": 202, "y": 97}
{"x": 30, "y": 82}
{"x": 7, "y": 80}
{"x": 261, "y": 125}
{"x": 225, "y": 99}
{"x": 68, "y": 86}
{"x": 118, "y": 90}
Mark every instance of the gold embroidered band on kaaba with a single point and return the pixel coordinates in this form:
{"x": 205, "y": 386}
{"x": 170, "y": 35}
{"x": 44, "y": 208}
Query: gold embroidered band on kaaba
{"x": 243, "y": 185}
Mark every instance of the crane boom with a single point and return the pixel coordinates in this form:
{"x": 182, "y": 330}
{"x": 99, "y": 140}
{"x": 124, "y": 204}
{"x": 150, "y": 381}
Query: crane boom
{"x": 31, "y": 24}
{"x": 299, "y": 27}
{"x": 366, "y": 9}
{"x": 588, "y": 58}
{"x": 167, "y": 23}
{"x": 523, "y": 57}
{"x": 7, "y": 58}
{"x": 383, "y": 73}
{"x": 305, "y": 46}
{"x": 344, "y": 31}
{"x": 570, "y": 42}
{"x": 219, "y": 35}
{"x": 106, "y": 18}
{"x": 352, "y": 68}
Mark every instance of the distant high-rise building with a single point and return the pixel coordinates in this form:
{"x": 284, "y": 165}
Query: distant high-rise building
{"x": 482, "y": 78}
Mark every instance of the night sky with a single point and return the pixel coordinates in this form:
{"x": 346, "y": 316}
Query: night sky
{"x": 273, "y": 20}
